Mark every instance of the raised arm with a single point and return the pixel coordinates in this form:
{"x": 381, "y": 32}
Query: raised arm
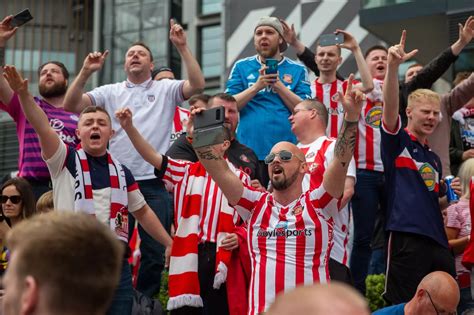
{"x": 351, "y": 43}
{"x": 48, "y": 138}
{"x": 149, "y": 154}
{"x": 195, "y": 83}
{"x": 76, "y": 100}
{"x": 6, "y": 32}
{"x": 335, "y": 176}
{"x": 396, "y": 56}
{"x": 466, "y": 33}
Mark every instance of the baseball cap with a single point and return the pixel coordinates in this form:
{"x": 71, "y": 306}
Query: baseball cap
{"x": 276, "y": 24}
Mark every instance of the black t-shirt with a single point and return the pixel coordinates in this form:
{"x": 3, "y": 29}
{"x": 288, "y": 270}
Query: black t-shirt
{"x": 238, "y": 154}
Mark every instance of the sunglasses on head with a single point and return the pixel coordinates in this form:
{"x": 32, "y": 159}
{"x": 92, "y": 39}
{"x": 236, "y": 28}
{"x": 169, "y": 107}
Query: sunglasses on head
{"x": 14, "y": 199}
{"x": 284, "y": 156}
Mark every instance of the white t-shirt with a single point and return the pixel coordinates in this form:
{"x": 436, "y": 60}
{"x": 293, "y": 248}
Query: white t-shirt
{"x": 153, "y": 105}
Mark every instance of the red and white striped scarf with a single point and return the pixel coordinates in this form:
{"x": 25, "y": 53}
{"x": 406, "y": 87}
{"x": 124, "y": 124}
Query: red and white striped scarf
{"x": 183, "y": 274}
{"x": 84, "y": 199}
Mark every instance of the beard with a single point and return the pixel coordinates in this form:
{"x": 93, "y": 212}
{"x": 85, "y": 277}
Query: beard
{"x": 55, "y": 90}
{"x": 270, "y": 52}
{"x": 284, "y": 183}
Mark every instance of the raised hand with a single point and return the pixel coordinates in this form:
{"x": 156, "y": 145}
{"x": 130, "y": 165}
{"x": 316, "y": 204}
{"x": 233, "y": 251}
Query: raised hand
{"x": 15, "y": 80}
{"x": 349, "y": 41}
{"x": 352, "y": 100}
{"x": 124, "y": 116}
{"x": 466, "y": 31}
{"x": 289, "y": 33}
{"x": 177, "y": 34}
{"x": 95, "y": 60}
{"x": 397, "y": 54}
{"x": 6, "y": 31}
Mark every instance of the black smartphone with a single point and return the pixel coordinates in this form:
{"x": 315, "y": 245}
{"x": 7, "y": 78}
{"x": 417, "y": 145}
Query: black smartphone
{"x": 209, "y": 117}
{"x": 331, "y": 39}
{"x": 21, "y": 18}
{"x": 272, "y": 66}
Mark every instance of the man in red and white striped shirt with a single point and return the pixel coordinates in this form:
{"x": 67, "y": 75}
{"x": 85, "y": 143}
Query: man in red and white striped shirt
{"x": 326, "y": 86}
{"x": 308, "y": 123}
{"x": 289, "y": 231}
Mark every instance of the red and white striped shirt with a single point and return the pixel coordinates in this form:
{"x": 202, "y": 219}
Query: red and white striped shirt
{"x": 185, "y": 180}
{"x": 367, "y": 149}
{"x": 181, "y": 116}
{"x": 289, "y": 245}
{"x": 327, "y": 94}
{"x": 318, "y": 155}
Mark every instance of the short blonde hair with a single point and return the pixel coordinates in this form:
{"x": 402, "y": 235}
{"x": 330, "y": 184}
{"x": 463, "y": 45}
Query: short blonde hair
{"x": 76, "y": 258}
{"x": 45, "y": 203}
{"x": 424, "y": 94}
{"x": 466, "y": 171}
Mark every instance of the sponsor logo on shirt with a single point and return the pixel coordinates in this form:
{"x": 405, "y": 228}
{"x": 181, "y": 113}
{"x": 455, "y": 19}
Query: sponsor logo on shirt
{"x": 310, "y": 155}
{"x": 251, "y": 77}
{"x": 58, "y": 126}
{"x": 335, "y": 98}
{"x": 428, "y": 174}
{"x": 281, "y": 230}
{"x": 374, "y": 116}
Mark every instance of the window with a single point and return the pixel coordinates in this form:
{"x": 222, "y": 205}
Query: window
{"x": 211, "y": 6}
{"x": 211, "y": 50}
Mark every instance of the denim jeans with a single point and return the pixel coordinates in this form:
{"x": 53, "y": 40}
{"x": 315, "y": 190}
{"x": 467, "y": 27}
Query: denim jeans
{"x": 466, "y": 303}
{"x": 123, "y": 298}
{"x": 152, "y": 252}
{"x": 367, "y": 200}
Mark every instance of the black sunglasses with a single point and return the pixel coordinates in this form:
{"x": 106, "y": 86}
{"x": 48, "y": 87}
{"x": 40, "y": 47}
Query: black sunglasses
{"x": 14, "y": 199}
{"x": 284, "y": 156}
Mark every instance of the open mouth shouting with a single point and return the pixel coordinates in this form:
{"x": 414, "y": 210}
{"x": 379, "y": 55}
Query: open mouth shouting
{"x": 95, "y": 136}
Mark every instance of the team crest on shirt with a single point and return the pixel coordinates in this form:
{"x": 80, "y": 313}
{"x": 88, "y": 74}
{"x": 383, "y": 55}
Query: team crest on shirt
{"x": 151, "y": 98}
{"x": 288, "y": 78}
{"x": 428, "y": 174}
{"x": 310, "y": 155}
{"x": 374, "y": 116}
{"x": 335, "y": 97}
{"x": 298, "y": 209}
{"x": 244, "y": 158}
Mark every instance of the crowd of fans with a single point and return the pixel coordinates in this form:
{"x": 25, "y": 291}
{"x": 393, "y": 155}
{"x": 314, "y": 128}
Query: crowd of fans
{"x": 260, "y": 221}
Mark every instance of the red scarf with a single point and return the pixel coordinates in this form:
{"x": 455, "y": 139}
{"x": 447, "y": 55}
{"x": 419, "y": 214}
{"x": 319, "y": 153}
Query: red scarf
{"x": 183, "y": 273}
{"x": 84, "y": 199}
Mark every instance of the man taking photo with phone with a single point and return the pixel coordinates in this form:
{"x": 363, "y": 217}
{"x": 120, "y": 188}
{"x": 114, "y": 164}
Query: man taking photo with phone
{"x": 265, "y": 100}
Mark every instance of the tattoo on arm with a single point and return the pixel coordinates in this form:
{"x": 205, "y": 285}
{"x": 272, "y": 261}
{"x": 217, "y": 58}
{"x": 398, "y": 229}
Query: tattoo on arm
{"x": 2, "y": 56}
{"x": 346, "y": 142}
{"x": 207, "y": 154}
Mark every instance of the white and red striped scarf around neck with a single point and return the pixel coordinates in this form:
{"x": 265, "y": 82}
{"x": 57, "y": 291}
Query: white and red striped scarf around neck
{"x": 183, "y": 283}
{"x": 84, "y": 199}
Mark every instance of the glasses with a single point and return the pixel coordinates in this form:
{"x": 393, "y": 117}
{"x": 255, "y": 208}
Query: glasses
{"x": 284, "y": 156}
{"x": 296, "y": 111}
{"x": 14, "y": 199}
{"x": 436, "y": 309}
